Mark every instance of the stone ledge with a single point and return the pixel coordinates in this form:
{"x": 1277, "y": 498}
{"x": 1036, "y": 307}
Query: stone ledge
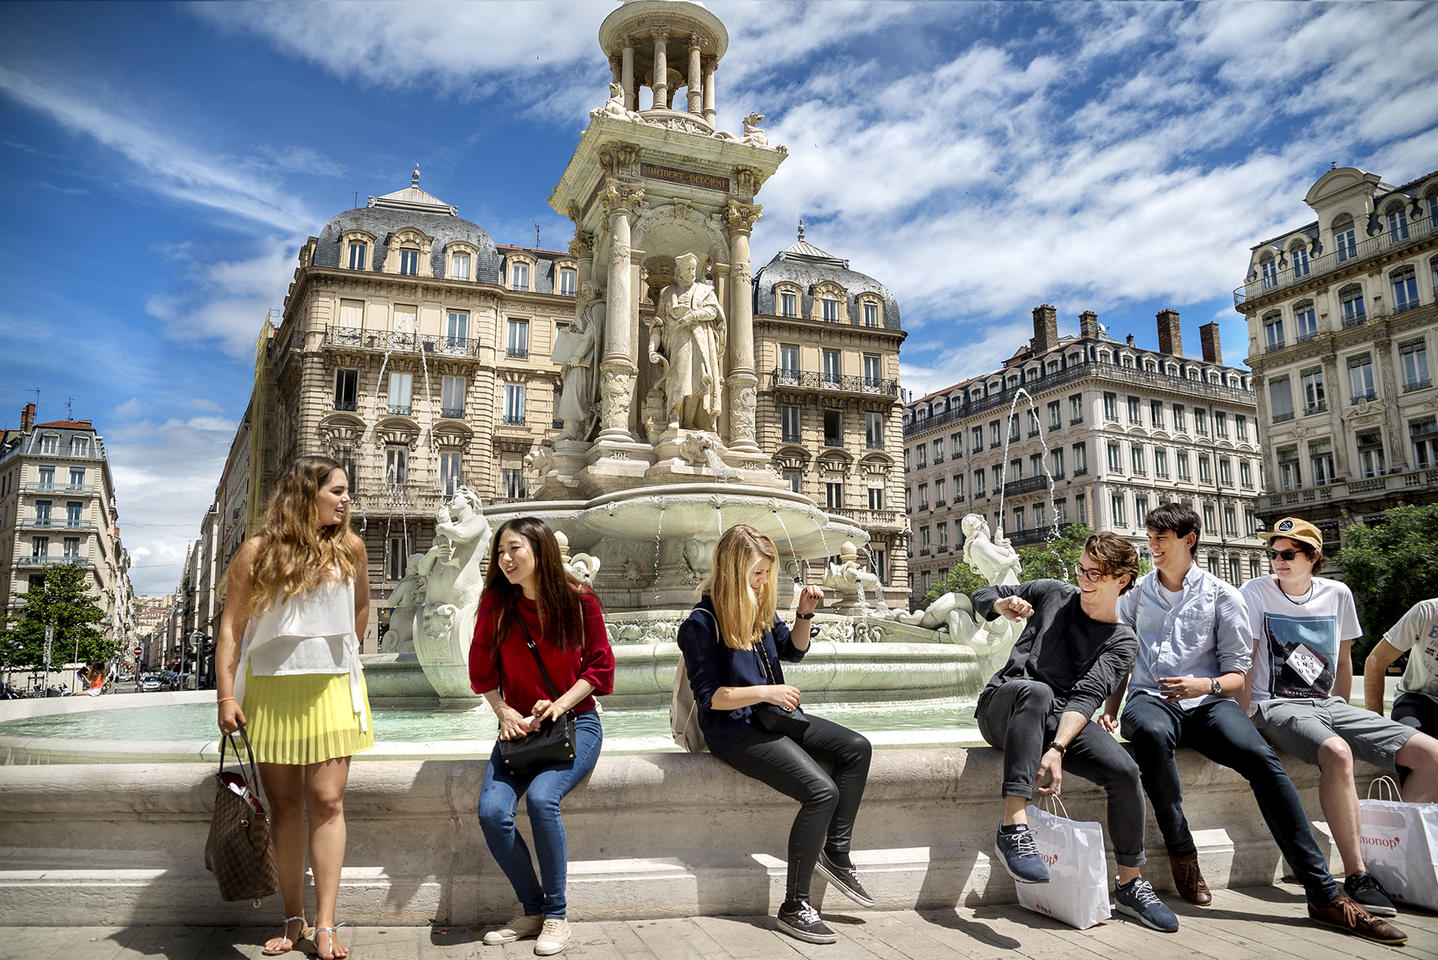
{"x": 657, "y": 835}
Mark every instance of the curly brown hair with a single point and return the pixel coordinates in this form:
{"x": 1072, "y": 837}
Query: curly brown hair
{"x": 1116, "y": 557}
{"x": 295, "y": 552}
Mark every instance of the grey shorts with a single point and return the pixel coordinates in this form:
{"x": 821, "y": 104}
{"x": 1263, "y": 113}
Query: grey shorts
{"x": 1299, "y": 727}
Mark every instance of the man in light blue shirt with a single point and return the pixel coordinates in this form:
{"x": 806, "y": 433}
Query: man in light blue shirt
{"x": 1193, "y": 653}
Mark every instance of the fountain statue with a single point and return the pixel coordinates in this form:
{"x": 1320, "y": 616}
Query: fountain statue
{"x": 854, "y": 584}
{"x": 690, "y": 325}
{"x": 406, "y": 599}
{"x": 997, "y": 562}
{"x": 576, "y": 352}
{"x": 453, "y": 573}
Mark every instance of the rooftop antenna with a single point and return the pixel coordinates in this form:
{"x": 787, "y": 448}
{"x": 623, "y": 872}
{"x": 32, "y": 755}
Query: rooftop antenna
{"x": 69, "y": 408}
{"x": 537, "y": 244}
{"x": 356, "y": 198}
{"x": 36, "y": 391}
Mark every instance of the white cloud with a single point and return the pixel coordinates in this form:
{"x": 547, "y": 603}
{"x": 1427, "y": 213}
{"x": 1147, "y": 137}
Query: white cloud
{"x": 226, "y": 301}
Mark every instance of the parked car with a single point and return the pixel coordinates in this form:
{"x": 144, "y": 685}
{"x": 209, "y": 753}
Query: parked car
{"x": 149, "y": 683}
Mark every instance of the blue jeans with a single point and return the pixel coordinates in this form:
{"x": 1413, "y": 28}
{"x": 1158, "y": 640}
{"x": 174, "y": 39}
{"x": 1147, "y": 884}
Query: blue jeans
{"x": 1221, "y": 732}
{"x": 499, "y": 800}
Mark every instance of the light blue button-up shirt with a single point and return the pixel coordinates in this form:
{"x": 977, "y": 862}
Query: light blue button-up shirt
{"x": 1203, "y": 633}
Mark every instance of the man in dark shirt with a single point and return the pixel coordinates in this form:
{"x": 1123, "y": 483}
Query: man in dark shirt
{"x": 1073, "y": 653}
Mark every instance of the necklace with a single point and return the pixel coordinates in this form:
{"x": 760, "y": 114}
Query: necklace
{"x": 1297, "y": 603}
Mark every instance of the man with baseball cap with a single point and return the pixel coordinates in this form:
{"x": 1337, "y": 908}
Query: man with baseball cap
{"x": 1302, "y": 675}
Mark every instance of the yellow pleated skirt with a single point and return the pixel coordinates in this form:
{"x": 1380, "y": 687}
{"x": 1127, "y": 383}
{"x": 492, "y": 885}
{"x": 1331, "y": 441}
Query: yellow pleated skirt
{"x": 305, "y": 718}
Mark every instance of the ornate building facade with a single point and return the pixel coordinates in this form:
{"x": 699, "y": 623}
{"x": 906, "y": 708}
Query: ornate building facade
{"x": 1342, "y": 325}
{"x": 1115, "y": 428}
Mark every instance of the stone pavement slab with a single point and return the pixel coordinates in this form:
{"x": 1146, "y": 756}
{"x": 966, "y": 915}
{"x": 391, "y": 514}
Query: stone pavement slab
{"x": 1244, "y": 924}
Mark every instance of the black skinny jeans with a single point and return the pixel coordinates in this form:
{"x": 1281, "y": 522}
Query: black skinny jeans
{"x": 827, "y": 804}
{"x": 1018, "y": 717}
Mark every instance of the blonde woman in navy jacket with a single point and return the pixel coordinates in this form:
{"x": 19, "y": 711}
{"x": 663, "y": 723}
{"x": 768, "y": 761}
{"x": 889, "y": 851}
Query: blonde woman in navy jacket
{"x": 733, "y": 645}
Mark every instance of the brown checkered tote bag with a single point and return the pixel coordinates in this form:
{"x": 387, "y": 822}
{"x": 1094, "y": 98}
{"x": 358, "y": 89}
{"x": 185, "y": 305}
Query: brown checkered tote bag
{"x": 238, "y": 851}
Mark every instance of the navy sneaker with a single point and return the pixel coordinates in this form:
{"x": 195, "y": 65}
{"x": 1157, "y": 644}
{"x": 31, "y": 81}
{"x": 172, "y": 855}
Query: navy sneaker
{"x": 1370, "y": 894}
{"x": 1137, "y": 899}
{"x": 1020, "y": 856}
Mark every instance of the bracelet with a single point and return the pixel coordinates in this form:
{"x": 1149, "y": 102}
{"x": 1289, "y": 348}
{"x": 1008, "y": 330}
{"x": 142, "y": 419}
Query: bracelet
{"x": 1055, "y": 745}
{"x": 223, "y": 699}
{"x": 803, "y": 616}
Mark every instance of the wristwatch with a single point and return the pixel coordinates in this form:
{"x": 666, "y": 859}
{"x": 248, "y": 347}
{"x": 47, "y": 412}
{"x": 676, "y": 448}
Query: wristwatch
{"x": 1217, "y": 687}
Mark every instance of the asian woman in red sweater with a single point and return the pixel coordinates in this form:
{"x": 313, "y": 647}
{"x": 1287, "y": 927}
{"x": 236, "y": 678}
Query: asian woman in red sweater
{"x": 527, "y": 581}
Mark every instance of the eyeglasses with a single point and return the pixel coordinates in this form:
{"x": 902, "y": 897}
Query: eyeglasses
{"x": 1092, "y": 576}
{"x": 1285, "y": 555}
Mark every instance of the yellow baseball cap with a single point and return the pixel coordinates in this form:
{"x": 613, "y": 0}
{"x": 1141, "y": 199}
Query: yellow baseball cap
{"x": 1295, "y": 529}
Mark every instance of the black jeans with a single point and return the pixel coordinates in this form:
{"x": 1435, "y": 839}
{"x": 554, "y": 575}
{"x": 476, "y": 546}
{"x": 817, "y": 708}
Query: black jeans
{"x": 827, "y": 804}
{"x": 1221, "y": 732}
{"x": 1019, "y": 717}
{"x": 1417, "y": 710}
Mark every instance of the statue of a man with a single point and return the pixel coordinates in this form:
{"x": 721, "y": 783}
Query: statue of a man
{"x": 994, "y": 560}
{"x": 576, "y": 350}
{"x": 690, "y": 324}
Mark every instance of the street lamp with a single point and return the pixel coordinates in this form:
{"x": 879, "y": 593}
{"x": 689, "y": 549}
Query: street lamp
{"x": 197, "y": 642}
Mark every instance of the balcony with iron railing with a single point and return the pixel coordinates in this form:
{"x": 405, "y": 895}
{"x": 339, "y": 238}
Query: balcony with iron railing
{"x": 808, "y": 380}
{"x": 382, "y": 341}
{"x": 1259, "y": 286}
{"x": 453, "y": 413}
{"x": 874, "y": 519}
{"x": 513, "y": 420}
{"x": 1350, "y": 493}
{"x": 33, "y": 562}
{"x": 38, "y": 486}
{"x": 53, "y": 523}
{"x": 1026, "y": 485}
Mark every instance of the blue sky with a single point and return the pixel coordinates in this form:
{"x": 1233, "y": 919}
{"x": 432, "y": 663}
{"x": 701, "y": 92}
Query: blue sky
{"x": 163, "y": 163}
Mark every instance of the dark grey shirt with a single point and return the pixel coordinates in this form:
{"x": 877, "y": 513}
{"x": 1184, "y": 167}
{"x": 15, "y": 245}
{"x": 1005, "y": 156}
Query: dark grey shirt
{"x": 1081, "y": 659}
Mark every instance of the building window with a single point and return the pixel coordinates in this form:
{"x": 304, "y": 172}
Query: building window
{"x": 871, "y": 313}
{"x": 400, "y": 385}
{"x": 1076, "y": 408}
{"x": 1136, "y": 452}
{"x": 1115, "y": 464}
{"x": 1269, "y": 268}
{"x": 1305, "y": 321}
{"x": 833, "y": 369}
{"x": 71, "y": 548}
{"x": 830, "y": 308}
{"x": 1220, "y": 424}
{"x": 1273, "y": 330}
{"x": 1080, "y": 508}
{"x": 997, "y": 470}
{"x": 1135, "y": 410}
{"x": 50, "y": 443}
{"x": 977, "y": 440}
{"x": 789, "y": 423}
{"x": 77, "y": 478}
{"x": 833, "y": 428}
{"x": 514, "y": 403}
{"x": 834, "y": 495}
{"x": 1253, "y": 568}
{"x": 1080, "y": 459}
{"x": 357, "y": 253}
{"x": 1299, "y": 256}
{"x": 1314, "y": 397}
{"x": 1289, "y": 475}
{"x": 519, "y": 276}
{"x": 1155, "y": 412}
{"x": 567, "y": 282}
{"x": 395, "y": 558}
{"x": 1350, "y": 302}
{"x": 1405, "y": 289}
{"x": 873, "y": 369}
{"x": 1320, "y": 461}
{"x": 346, "y": 389}
{"x": 1233, "y": 570}
{"x": 939, "y": 499}
{"x": 788, "y": 363}
{"x": 1415, "y": 365}
{"x": 46, "y": 480}
{"x": 1118, "y": 518}
{"x": 788, "y": 304}
{"x": 516, "y": 343}
{"x": 1110, "y": 406}
{"x": 449, "y": 475}
{"x": 1160, "y": 463}
{"x": 978, "y": 483}
{"x": 1200, "y": 421}
{"x": 923, "y": 455}
{"x": 1182, "y": 464}
{"x": 1205, "y": 469}
{"x": 514, "y": 486}
{"x": 451, "y": 403}
{"x": 42, "y": 513}
{"x": 1343, "y": 238}
{"x": 79, "y": 446}
{"x": 1178, "y": 421}
{"x": 1240, "y": 427}
{"x": 396, "y": 465}
{"x": 1360, "y": 377}
{"x": 1225, "y": 471}
{"x": 876, "y": 498}
{"x": 1056, "y": 415}
{"x": 1370, "y": 453}
{"x": 409, "y": 262}
{"x": 459, "y": 266}
{"x": 1280, "y": 399}
{"x": 1061, "y": 512}
{"x": 1018, "y": 519}
{"x": 40, "y": 547}
{"x": 1209, "y": 522}
{"x": 958, "y": 487}
{"x": 1397, "y": 224}
{"x": 1424, "y": 435}
{"x": 938, "y": 450}
{"x": 793, "y": 477}
{"x": 996, "y": 439}
{"x": 1245, "y": 474}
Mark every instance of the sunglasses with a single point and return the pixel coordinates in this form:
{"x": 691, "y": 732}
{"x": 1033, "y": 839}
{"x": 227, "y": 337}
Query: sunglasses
{"x": 1285, "y": 555}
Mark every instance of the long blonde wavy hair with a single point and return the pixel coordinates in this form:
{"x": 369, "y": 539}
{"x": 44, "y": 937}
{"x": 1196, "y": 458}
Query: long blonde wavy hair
{"x": 295, "y": 551}
{"x": 743, "y": 614}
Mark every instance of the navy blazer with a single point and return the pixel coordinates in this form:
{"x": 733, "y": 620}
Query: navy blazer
{"x": 712, "y": 665}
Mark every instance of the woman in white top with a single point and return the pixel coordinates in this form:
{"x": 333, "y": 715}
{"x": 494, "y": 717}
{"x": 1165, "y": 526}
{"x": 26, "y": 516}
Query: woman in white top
{"x": 287, "y": 670}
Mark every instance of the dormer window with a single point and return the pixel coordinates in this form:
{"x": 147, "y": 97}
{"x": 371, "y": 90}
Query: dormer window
{"x": 1269, "y": 268}
{"x": 1397, "y": 223}
{"x": 358, "y": 254}
{"x": 459, "y": 266}
{"x": 409, "y": 261}
{"x": 1299, "y": 257}
{"x": 568, "y": 278}
{"x": 357, "y": 248}
{"x": 831, "y": 309}
{"x": 79, "y": 446}
{"x": 519, "y": 276}
{"x": 50, "y": 443}
{"x": 460, "y": 256}
{"x": 871, "y": 313}
{"x": 789, "y": 304}
{"x": 1344, "y": 238}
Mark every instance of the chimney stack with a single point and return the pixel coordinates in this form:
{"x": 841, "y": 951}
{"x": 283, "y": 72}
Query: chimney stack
{"x": 1088, "y": 325}
{"x": 1046, "y": 329}
{"x": 1212, "y": 348}
{"x": 1170, "y": 337}
{"x": 27, "y": 418}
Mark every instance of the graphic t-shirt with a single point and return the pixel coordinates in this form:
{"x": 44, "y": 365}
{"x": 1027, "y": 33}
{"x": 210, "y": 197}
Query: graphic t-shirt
{"x": 1418, "y": 632}
{"x": 1296, "y": 657}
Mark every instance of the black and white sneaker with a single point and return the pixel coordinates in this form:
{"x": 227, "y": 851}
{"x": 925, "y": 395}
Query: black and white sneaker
{"x": 804, "y": 923}
{"x": 845, "y": 878}
{"x": 1369, "y": 893}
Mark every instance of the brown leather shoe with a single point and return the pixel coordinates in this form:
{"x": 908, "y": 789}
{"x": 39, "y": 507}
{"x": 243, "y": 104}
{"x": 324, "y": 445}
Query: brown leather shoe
{"x": 1344, "y": 913}
{"x": 1188, "y": 879}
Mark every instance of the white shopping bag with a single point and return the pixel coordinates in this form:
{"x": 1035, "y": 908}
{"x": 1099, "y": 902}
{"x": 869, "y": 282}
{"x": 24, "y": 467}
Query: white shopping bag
{"x": 1400, "y": 844}
{"x": 1077, "y": 891}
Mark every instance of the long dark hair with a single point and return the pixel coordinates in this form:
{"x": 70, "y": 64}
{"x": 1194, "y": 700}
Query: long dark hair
{"x": 561, "y": 614}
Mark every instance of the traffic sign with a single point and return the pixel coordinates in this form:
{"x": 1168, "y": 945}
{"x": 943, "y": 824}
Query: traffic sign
{"x": 139, "y": 650}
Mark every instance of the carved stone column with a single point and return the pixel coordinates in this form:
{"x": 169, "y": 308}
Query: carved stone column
{"x": 581, "y": 248}
{"x": 661, "y": 69}
{"x": 709, "y": 109}
{"x": 742, "y": 383}
{"x": 617, "y": 371}
{"x": 615, "y": 73}
{"x": 694, "y": 82}
{"x": 631, "y": 95}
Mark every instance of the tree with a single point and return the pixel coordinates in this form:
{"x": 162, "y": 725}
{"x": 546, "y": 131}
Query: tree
{"x": 62, "y": 599}
{"x": 1389, "y": 567}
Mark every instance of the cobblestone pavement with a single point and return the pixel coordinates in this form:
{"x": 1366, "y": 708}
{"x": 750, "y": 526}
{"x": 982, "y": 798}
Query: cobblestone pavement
{"x": 1254, "y": 923}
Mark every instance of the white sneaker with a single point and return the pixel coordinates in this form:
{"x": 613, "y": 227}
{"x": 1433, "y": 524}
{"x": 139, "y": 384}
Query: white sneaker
{"x": 553, "y": 938}
{"x": 516, "y": 929}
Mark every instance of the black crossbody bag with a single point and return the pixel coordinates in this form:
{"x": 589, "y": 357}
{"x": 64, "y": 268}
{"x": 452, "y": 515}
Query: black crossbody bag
{"x": 552, "y": 743}
{"x": 771, "y": 716}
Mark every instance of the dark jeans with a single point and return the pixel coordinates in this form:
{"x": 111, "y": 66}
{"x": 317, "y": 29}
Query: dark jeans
{"x": 1416, "y": 710}
{"x": 1221, "y": 732}
{"x": 827, "y": 804}
{"x": 1019, "y": 717}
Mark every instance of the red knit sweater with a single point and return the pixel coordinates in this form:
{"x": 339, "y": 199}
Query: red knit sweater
{"x": 514, "y": 670}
